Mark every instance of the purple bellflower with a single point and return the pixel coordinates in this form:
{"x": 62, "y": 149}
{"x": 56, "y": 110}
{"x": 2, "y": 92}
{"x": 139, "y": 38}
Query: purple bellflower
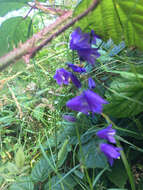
{"x": 110, "y": 151}
{"x": 91, "y": 83}
{"x": 63, "y": 76}
{"x": 76, "y": 68}
{"x": 69, "y": 118}
{"x": 81, "y": 42}
{"x": 107, "y": 133}
{"x": 87, "y": 102}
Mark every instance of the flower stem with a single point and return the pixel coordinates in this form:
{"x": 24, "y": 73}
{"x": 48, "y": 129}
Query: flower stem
{"x": 127, "y": 167}
{"x": 123, "y": 156}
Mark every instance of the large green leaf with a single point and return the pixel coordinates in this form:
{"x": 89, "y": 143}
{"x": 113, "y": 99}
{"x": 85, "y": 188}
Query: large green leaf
{"x": 125, "y": 95}
{"x": 67, "y": 183}
{"x": 118, "y": 175}
{"x": 10, "y": 5}
{"x": 91, "y": 155}
{"x": 41, "y": 170}
{"x": 12, "y": 32}
{"x": 116, "y": 19}
{"x": 24, "y": 183}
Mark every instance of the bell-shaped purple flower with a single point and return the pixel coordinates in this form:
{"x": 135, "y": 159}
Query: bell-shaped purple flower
{"x": 87, "y": 102}
{"x": 110, "y": 151}
{"x": 76, "y": 68}
{"x": 91, "y": 83}
{"x": 62, "y": 76}
{"x": 82, "y": 43}
{"x": 79, "y": 40}
{"x": 69, "y": 118}
{"x": 107, "y": 133}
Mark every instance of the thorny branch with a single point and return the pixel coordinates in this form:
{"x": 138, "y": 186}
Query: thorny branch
{"x": 50, "y": 10}
{"x": 28, "y": 49}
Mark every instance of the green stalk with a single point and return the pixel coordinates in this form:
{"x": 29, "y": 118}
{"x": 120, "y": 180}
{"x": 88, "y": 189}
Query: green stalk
{"x": 127, "y": 167}
{"x": 83, "y": 160}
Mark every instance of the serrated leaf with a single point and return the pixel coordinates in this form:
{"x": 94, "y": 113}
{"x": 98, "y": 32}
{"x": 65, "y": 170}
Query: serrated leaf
{"x": 68, "y": 131}
{"x": 20, "y": 158}
{"x": 119, "y": 20}
{"x": 12, "y": 32}
{"x": 67, "y": 183}
{"x": 118, "y": 175}
{"x": 92, "y": 156}
{"x": 24, "y": 183}
{"x": 41, "y": 170}
{"x": 124, "y": 97}
{"x": 12, "y": 168}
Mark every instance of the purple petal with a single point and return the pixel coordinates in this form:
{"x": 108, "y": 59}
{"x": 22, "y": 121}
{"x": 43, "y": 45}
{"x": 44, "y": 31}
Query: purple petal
{"x": 93, "y": 37}
{"x": 78, "y": 103}
{"x": 87, "y": 102}
{"x": 76, "y": 68}
{"x": 89, "y": 55}
{"x": 91, "y": 83}
{"x": 79, "y": 40}
{"x": 110, "y": 151}
{"x": 94, "y": 101}
{"x": 107, "y": 133}
{"x": 62, "y": 76}
{"x": 110, "y": 160}
{"x": 111, "y": 139}
{"x": 69, "y": 118}
{"x": 75, "y": 81}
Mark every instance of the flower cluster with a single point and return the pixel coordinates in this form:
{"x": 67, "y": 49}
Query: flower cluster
{"x": 88, "y": 101}
{"x": 110, "y": 151}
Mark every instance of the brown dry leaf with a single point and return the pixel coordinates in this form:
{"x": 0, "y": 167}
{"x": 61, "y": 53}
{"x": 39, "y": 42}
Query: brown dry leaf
{"x": 48, "y": 104}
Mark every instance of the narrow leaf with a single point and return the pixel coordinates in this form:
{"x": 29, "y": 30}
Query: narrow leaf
{"x": 62, "y": 154}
